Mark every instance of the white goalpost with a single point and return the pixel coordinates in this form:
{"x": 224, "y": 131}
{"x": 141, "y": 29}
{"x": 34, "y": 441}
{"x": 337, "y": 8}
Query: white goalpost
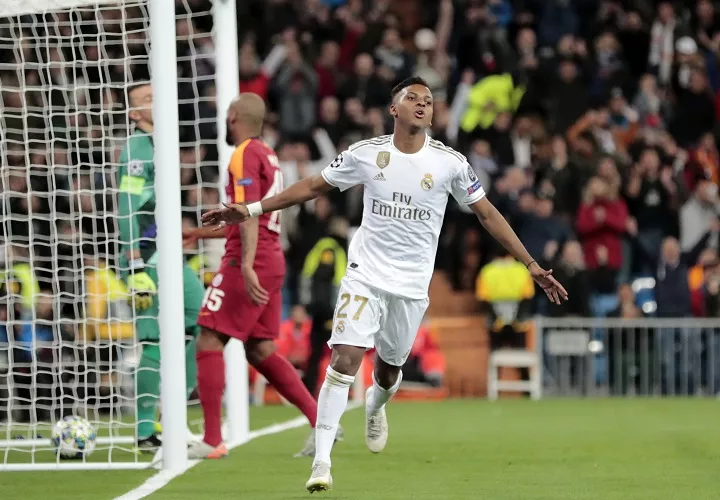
{"x": 227, "y": 83}
{"x": 68, "y": 345}
{"x": 163, "y": 72}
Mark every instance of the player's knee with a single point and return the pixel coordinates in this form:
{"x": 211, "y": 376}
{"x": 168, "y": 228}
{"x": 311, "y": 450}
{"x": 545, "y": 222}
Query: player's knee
{"x": 386, "y": 375}
{"x": 209, "y": 340}
{"x": 256, "y": 351}
{"x": 387, "y": 379}
{"x": 346, "y": 359}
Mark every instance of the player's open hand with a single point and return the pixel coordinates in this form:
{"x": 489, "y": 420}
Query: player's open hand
{"x": 553, "y": 289}
{"x": 257, "y": 293}
{"x": 233, "y": 213}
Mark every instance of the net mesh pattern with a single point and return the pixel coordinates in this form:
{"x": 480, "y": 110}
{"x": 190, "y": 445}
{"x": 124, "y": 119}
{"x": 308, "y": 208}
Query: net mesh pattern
{"x": 66, "y": 337}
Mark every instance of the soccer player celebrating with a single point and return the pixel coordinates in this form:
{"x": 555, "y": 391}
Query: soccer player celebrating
{"x": 407, "y": 177}
{"x": 138, "y": 262}
{"x": 244, "y": 300}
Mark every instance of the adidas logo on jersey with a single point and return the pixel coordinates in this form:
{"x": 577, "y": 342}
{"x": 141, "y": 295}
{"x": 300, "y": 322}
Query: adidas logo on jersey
{"x": 379, "y": 177}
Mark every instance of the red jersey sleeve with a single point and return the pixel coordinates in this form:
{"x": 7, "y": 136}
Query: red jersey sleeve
{"x": 245, "y": 167}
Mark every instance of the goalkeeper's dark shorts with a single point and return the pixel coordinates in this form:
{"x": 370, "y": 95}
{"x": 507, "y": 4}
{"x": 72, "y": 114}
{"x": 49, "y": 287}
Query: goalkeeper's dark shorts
{"x": 228, "y": 309}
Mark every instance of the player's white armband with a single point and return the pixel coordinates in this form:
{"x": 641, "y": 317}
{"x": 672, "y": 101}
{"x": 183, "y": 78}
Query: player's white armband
{"x": 255, "y": 209}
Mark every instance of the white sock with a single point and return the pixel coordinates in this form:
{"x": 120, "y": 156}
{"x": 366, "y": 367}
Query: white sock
{"x": 332, "y": 402}
{"x": 379, "y": 397}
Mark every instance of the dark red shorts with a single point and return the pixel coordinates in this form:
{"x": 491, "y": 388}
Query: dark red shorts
{"x": 228, "y": 309}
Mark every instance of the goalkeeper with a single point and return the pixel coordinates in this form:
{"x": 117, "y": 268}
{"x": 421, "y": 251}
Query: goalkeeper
{"x": 138, "y": 263}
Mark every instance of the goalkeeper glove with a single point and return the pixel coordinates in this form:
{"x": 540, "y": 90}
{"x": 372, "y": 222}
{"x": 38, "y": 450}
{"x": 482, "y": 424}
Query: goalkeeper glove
{"x": 141, "y": 286}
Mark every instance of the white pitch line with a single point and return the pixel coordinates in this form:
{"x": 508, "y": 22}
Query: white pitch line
{"x": 163, "y": 477}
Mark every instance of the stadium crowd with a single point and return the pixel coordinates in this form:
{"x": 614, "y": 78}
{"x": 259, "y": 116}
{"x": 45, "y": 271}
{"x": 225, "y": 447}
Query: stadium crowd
{"x": 592, "y": 124}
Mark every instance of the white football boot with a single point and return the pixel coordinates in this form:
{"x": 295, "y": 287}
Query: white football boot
{"x": 199, "y": 450}
{"x": 320, "y": 479}
{"x": 376, "y": 428}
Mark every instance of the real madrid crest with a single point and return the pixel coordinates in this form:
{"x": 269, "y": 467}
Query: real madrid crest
{"x": 383, "y": 159}
{"x": 340, "y": 327}
{"x": 427, "y": 182}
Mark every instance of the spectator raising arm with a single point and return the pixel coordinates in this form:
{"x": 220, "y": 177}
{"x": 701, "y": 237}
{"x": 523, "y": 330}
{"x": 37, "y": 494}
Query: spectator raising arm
{"x": 459, "y": 103}
{"x": 273, "y": 60}
{"x": 325, "y": 146}
{"x": 444, "y": 26}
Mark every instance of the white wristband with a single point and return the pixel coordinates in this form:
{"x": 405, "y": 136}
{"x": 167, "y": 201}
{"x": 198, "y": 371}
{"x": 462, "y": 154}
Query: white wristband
{"x": 255, "y": 209}
{"x": 136, "y": 264}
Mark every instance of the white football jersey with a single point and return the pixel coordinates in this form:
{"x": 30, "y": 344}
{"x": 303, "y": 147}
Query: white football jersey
{"x": 404, "y": 204}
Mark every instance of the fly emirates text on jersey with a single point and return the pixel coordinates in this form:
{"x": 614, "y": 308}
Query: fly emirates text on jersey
{"x": 398, "y": 211}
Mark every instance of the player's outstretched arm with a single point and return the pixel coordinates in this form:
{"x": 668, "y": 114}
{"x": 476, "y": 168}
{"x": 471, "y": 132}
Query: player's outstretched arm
{"x": 190, "y": 236}
{"x": 498, "y": 227}
{"x": 300, "y": 192}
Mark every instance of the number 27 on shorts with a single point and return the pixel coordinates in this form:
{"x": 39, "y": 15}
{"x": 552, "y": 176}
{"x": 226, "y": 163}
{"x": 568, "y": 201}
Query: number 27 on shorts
{"x": 345, "y": 300}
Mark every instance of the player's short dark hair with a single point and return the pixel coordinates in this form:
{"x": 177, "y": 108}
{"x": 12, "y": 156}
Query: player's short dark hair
{"x": 413, "y": 80}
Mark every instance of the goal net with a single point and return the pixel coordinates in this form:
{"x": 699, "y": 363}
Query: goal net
{"x": 68, "y": 330}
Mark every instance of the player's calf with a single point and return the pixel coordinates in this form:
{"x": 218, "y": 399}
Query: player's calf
{"x": 385, "y": 375}
{"x": 334, "y": 397}
{"x": 282, "y": 376}
{"x": 309, "y": 447}
{"x": 211, "y": 385}
{"x": 285, "y": 379}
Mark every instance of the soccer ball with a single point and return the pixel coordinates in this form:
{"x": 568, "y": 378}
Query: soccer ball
{"x": 73, "y": 437}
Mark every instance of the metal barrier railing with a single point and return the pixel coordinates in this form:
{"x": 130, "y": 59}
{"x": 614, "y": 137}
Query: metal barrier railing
{"x": 629, "y": 357}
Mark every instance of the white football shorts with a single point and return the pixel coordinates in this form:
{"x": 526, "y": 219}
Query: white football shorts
{"x": 368, "y": 317}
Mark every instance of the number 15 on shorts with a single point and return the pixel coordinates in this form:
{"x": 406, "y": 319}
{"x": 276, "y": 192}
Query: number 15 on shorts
{"x": 213, "y": 299}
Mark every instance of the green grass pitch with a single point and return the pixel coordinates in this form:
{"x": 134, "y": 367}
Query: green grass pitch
{"x": 511, "y": 450}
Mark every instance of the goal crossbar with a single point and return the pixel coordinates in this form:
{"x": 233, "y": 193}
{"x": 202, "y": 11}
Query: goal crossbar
{"x": 9, "y": 8}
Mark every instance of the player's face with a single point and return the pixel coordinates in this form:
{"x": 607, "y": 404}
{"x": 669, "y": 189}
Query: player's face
{"x": 141, "y": 101}
{"x": 229, "y": 125}
{"x": 228, "y": 134}
{"x": 414, "y": 106}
